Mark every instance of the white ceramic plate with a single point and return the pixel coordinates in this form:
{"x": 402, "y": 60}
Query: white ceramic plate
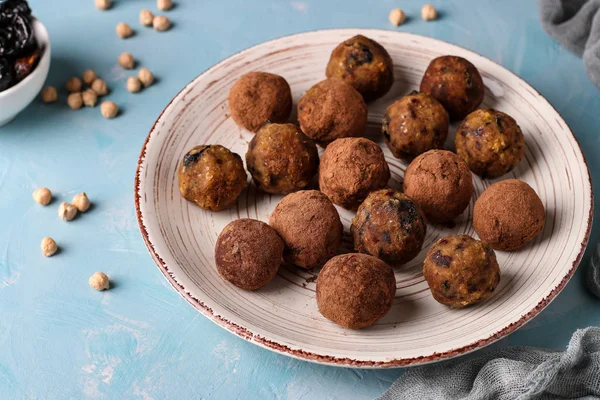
{"x": 283, "y": 315}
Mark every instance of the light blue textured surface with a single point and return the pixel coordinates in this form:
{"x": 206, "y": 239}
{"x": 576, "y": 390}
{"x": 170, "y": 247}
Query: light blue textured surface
{"x": 59, "y": 339}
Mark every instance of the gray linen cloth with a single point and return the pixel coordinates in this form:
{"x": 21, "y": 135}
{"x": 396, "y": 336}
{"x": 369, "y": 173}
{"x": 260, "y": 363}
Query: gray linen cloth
{"x": 575, "y": 24}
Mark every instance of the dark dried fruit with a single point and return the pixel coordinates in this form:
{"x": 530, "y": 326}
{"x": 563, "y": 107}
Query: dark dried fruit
{"x": 12, "y": 7}
{"x": 25, "y": 65}
{"x": 6, "y": 74}
{"x": 442, "y": 261}
{"x": 16, "y": 35}
{"x": 193, "y": 156}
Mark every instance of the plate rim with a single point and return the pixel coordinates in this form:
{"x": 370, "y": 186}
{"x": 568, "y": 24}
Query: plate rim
{"x": 264, "y": 342}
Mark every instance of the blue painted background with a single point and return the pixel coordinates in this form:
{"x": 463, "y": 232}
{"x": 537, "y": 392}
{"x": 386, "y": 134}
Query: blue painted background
{"x": 59, "y": 339}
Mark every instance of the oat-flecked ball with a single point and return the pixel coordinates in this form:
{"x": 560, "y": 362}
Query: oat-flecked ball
{"x": 490, "y": 142}
{"x": 355, "y": 290}
{"x": 124, "y": 30}
{"x": 455, "y": 83}
{"x": 461, "y": 271}
{"x": 109, "y": 109}
{"x": 146, "y": 77}
{"x": 389, "y": 225}
{"x": 364, "y": 64}
{"x": 146, "y": 17}
{"x": 67, "y": 211}
{"x": 48, "y": 247}
{"x": 508, "y": 215}
{"x": 415, "y": 124}
{"x": 99, "y": 86}
{"x": 102, "y": 4}
{"x": 89, "y": 76}
{"x": 99, "y": 281}
{"x": 126, "y": 60}
{"x": 81, "y": 202}
{"x": 350, "y": 169}
{"x": 330, "y": 110}
{"x": 73, "y": 85}
{"x": 42, "y": 196}
{"x": 212, "y": 177}
{"x": 75, "y": 100}
{"x": 310, "y": 227}
{"x": 90, "y": 98}
{"x": 164, "y": 5}
{"x": 258, "y": 97}
{"x": 49, "y": 94}
{"x": 248, "y": 253}
{"x": 161, "y": 23}
{"x": 134, "y": 84}
{"x": 441, "y": 183}
{"x": 281, "y": 159}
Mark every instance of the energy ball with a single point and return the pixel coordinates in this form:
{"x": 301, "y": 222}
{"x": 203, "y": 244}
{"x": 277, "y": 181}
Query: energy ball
{"x": 310, "y": 227}
{"x": 364, "y": 64}
{"x": 248, "y": 253}
{"x": 355, "y": 290}
{"x": 508, "y": 214}
{"x": 258, "y": 97}
{"x": 455, "y": 83}
{"x": 441, "y": 183}
{"x": 332, "y": 109}
{"x": 350, "y": 169}
{"x": 414, "y": 124}
{"x": 281, "y": 159}
{"x": 461, "y": 271}
{"x": 490, "y": 142}
{"x": 389, "y": 225}
{"x": 212, "y": 177}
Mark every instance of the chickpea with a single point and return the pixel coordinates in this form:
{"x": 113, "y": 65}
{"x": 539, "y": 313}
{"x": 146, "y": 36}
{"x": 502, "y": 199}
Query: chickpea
{"x": 75, "y": 100}
{"x": 126, "y": 60}
{"x": 89, "y": 76}
{"x": 146, "y": 77}
{"x": 48, "y": 247}
{"x": 124, "y": 30}
{"x": 90, "y": 98}
{"x": 164, "y": 5}
{"x": 67, "y": 211}
{"x": 146, "y": 17}
{"x": 428, "y": 12}
{"x": 81, "y": 202}
{"x": 161, "y": 23}
{"x": 109, "y": 109}
{"x": 397, "y": 17}
{"x": 42, "y": 196}
{"x": 134, "y": 84}
{"x": 99, "y": 281}
{"x": 102, "y": 4}
{"x": 73, "y": 85}
{"x": 49, "y": 94}
{"x": 99, "y": 86}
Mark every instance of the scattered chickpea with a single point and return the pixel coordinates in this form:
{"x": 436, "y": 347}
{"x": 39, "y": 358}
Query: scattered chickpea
{"x": 75, "y": 100}
{"x": 49, "y": 94}
{"x": 90, "y": 98}
{"x": 164, "y": 5}
{"x": 428, "y": 12}
{"x": 67, "y": 211}
{"x": 89, "y": 76}
{"x": 134, "y": 84}
{"x": 146, "y": 77}
{"x": 146, "y": 17}
{"x": 124, "y": 30}
{"x": 48, "y": 247}
{"x": 99, "y": 86}
{"x": 73, "y": 85}
{"x": 397, "y": 17}
{"x": 81, "y": 202}
{"x": 99, "y": 281}
{"x": 102, "y": 4}
{"x": 161, "y": 23}
{"x": 109, "y": 109}
{"x": 126, "y": 60}
{"x": 42, "y": 196}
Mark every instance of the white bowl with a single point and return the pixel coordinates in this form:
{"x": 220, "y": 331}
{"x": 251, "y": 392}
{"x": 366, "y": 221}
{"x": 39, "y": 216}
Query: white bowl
{"x": 15, "y": 99}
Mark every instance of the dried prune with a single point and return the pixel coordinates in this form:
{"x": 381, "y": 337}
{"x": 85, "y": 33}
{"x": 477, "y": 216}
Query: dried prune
{"x": 12, "y": 7}
{"x": 7, "y": 77}
{"x": 16, "y": 35}
{"x": 24, "y": 65}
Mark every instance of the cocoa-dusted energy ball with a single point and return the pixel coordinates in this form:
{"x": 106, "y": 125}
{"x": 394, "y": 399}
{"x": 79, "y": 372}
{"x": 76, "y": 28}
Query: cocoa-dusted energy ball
{"x": 490, "y": 142}
{"x": 281, "y": 159}
{"x": 508, "y": 215}
{"x": 414, "y": 124}
{"x": 248, "y": 253}
{"x": 364, "y": 64}
{"x": 350, "y": 169}
{"x": 389, "y": 225}
{"x": 212, "y": 177}
{"x": 455, "y": 83}
{"x": 310, "y": 227}
{"x": 258, "y": 97}
{"x": 441, "y": 183}
{"x": 355, "y": 290}
{"x": 461, "y": 271}
{"x": 332, "y": 109}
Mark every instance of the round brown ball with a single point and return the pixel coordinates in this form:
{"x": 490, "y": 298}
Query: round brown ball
{"x": 441, "y": 183}
{"x": 258, "y": 97}
{"x": 461, "y": 271}
{"x": 455, "y": 83}
{"x": 248, "y": 253}
{"x": 350, "y": 169}
{"x": 364, "y": 64}
{"x": 310, "y": 227}
{"x": 332, "y": 109}
{"x": 355, "y": 290}
{"x": 414, "y": 124}
{"x": 281, "y": 159}
{"x": 508, "y": 215}
{"x": 212, "y": 177}
{"x": 389, "y": 225}
{"x": 490, "y": 142}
